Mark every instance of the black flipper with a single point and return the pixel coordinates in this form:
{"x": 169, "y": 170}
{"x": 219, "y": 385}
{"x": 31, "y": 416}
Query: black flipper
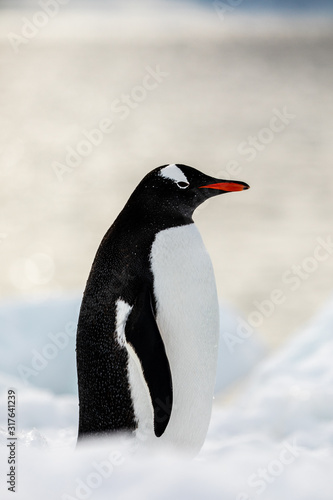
{"x": 144, "y": 336}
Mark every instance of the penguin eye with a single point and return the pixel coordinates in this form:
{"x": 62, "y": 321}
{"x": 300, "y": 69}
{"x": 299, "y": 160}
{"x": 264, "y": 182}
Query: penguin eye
{"x": 183, "y": 185}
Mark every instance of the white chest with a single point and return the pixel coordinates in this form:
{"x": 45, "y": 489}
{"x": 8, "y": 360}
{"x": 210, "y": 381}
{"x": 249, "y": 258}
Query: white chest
{"x": 188, "y": 319}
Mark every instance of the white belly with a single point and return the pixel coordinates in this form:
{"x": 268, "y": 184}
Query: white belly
{"x": 188, "y": 319}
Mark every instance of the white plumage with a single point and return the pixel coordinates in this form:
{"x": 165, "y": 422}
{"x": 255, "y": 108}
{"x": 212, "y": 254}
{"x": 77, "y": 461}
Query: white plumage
{"x": 188, "y": 319}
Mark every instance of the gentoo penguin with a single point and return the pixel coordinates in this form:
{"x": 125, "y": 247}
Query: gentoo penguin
{"x": 149, "y": 320}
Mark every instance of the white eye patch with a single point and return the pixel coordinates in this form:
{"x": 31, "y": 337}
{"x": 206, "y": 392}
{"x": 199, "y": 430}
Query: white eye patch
{"x": 175, "y": 174}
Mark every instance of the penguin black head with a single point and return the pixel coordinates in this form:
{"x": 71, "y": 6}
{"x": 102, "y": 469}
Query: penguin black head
{"x": 180, "y": 189}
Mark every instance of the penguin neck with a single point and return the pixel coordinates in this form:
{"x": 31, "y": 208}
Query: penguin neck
{"x": 149, "y": 216}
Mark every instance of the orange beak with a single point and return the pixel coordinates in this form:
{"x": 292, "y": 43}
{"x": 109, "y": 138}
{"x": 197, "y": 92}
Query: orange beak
{"x": 228, "y": 186}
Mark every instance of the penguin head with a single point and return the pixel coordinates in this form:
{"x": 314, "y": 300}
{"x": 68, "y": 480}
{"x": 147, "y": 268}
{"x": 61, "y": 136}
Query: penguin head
{"x": 178, "y": 188}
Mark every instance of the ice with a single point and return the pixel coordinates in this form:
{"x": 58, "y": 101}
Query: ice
{"x": 274, "y": 440}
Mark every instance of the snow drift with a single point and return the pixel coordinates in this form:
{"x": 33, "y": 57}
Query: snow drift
{"x": 274, "y": 440}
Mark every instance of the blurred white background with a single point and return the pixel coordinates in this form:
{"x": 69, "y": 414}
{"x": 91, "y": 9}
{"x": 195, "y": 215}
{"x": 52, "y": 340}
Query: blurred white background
{"x": 222, "y": 76}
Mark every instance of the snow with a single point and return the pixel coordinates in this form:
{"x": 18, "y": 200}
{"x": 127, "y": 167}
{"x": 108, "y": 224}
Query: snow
{"x": 38, "y": 337}
{"x": 273, "y": 440}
